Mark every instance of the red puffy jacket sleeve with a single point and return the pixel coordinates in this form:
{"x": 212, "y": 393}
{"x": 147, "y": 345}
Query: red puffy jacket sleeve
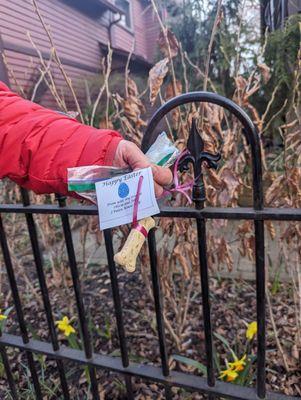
{"x": 38, "y": 145}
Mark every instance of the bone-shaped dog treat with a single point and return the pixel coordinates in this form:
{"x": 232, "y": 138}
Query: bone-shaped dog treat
{"x": 127, "y": 256}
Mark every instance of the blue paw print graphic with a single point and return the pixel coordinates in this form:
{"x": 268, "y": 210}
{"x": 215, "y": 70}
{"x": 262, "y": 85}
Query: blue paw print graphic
{"x": 123, "y": 190}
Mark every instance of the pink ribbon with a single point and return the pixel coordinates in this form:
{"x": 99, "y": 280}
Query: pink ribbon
{"x": 185, "y": 187}
{"x": 138, "y": 227}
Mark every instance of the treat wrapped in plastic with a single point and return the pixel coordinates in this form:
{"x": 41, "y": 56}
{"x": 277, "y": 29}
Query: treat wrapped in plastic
{"x": 163, "y": 152}
{"x": 82, "y": 179}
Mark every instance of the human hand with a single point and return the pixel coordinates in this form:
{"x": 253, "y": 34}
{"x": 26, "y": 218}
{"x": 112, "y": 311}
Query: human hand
{"x": 129, "y": 155}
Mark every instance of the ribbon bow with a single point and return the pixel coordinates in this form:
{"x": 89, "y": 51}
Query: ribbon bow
{"x": 180, "y": 188}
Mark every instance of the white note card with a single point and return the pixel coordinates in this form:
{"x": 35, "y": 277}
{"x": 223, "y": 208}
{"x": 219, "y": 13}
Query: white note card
{"x": 116, "y": 197}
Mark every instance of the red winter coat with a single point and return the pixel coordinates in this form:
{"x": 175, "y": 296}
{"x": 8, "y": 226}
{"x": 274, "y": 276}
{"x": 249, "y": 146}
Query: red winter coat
{"x": 38, "y": 145}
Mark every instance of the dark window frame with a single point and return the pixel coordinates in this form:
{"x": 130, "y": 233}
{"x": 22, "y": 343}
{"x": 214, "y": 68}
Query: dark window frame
{"x": 126, "y": 15}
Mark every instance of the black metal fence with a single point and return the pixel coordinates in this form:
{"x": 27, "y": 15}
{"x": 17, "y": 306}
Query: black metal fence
{"x": 211, "y": 387}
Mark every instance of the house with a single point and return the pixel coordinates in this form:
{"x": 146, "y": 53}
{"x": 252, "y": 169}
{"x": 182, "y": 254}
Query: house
{"x": 81, "y": 30}
{"x": 275, "y": 12}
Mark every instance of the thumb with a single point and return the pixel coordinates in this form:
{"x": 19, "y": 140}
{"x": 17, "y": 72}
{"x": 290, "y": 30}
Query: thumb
{"x": 163, "y": 176}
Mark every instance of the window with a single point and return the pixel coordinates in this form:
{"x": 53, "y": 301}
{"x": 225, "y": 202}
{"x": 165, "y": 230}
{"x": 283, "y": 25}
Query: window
{"x": 126, "y": 18}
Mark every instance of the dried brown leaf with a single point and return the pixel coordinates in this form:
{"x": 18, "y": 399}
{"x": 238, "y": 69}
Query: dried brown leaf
{"x": 132, "y": 87}
{"x": 169, "y": 91}
{"x": 231, "y": 180}
{"x": 156, "y": 78}
{"x": 180, "y": 253}
{"x": 214, "y": 179}
{"x": 240, "y": 83}
{"x": 168, "y": 39}
{"x": 275, "y": 190}
{"x": 271, "y": 229}
{"x": 265, "y": 72}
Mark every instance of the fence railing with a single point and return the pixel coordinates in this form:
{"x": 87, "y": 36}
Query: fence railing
{"x": 122, "y": 365}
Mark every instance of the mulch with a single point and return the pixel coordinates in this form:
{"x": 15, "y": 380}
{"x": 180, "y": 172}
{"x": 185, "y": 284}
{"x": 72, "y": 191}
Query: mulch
{"x": 233, "y": 304}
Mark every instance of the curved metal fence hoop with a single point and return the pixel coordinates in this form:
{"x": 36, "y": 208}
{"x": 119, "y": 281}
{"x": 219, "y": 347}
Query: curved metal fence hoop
{"x": 249, "y": 131}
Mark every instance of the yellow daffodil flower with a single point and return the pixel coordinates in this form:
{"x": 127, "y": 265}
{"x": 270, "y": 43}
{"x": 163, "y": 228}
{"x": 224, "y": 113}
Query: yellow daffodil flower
{"x": 251, "y": 330}
{"x": 2, "y": 316}
{"x": 65, "y": 326}
{"x": 238, "y": 365}
{"x": 229, "y": 374}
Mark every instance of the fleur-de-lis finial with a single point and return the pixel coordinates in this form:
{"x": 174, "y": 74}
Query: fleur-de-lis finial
{"x": 198, "y": 157}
